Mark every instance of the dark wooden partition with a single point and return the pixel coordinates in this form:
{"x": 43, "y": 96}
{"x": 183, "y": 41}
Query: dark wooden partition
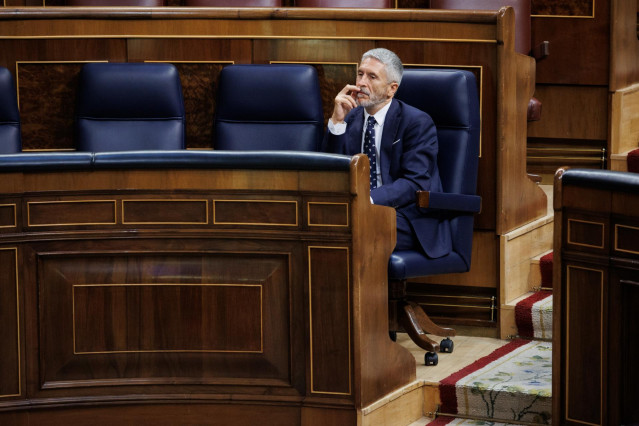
{"x": 595, "y": 317}
{"x": 209, "y": 296}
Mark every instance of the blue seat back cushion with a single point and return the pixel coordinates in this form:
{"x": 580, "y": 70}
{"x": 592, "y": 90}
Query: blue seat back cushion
{"x": 268, "y": 107}
{"x": 10, "y": 139}
{"x": 128, "y": 106}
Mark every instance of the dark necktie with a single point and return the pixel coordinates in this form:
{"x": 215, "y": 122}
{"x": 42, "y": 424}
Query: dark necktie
{"x": 369, "y": 149}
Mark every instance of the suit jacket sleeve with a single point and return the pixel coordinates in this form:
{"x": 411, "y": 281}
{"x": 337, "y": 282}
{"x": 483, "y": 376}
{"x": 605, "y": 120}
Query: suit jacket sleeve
{"x": 413, "y": 161}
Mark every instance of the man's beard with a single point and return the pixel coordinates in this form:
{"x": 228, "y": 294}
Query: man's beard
{"x": 373, "y": 99}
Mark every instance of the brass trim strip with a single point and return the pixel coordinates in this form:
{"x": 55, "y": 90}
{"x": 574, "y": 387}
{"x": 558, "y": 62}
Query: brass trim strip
{"x": 19, "y": 372}
{"x": 348, "y": 322}
{"x": 603, "y": 228}
{"x": 259, "y": 286}
{"x": 15, "y": 216}
{"x": 617, "y": 226}
{"x": 206, "y": 211}
{"x": 215, "y": 222}
{"x": 308, "y": 214}
{"x": 412, "y": 293}
{"x": 115, "y": 213}
{"x": 601, "y": 346}
{"x": 459, "y": 306}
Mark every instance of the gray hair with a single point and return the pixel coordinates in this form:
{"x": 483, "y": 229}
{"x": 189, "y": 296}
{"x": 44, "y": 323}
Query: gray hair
{"x": 392, "y": 63}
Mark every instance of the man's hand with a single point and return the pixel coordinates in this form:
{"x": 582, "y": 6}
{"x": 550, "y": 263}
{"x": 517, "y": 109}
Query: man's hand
{"x": 345, "y": 101}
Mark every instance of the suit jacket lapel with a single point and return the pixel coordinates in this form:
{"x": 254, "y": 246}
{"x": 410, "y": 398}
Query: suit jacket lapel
{"x": 391, "y": 125}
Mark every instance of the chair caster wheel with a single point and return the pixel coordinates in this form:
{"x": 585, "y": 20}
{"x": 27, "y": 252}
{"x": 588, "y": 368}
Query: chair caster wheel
{"x": 446, "y": 345}
{"x": 393, "y": 335}
{"x": 431, "y": 358}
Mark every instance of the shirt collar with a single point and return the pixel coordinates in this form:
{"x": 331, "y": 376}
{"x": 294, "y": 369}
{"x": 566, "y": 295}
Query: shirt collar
{"x": 380, "y": 115}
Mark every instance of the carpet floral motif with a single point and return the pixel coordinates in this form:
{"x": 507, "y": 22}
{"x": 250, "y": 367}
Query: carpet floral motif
{"x": 514, "y": 384}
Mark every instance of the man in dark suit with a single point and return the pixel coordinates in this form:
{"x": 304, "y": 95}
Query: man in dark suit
{"x": 401, "y": 143}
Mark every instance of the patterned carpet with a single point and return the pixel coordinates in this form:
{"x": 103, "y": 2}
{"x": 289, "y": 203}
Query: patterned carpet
{"x": 512, "y": 384}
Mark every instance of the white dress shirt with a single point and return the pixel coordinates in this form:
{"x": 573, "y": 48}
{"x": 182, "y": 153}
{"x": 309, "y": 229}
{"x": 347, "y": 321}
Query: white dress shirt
{"x": 380, "y": 117}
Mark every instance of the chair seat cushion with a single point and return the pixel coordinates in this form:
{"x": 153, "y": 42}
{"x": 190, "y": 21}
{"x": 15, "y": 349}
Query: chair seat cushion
{"x": 411, "y": 263}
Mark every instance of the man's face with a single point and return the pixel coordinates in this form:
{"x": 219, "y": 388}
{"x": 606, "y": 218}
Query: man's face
{"x": 373, "y": 83}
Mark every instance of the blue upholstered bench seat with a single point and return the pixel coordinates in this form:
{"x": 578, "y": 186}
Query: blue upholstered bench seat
{"x": 182, "y": 159}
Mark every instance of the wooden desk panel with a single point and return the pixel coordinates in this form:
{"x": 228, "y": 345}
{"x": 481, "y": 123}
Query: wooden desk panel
{"x": 276, "y": 313}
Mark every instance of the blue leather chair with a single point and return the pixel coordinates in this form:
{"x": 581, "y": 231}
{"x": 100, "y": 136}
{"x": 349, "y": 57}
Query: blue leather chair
{"x": 268, "y": 107}
{"x": 129, "y": 106}
{"x": 10, "y": 140}
{"x": 450, "y": 97}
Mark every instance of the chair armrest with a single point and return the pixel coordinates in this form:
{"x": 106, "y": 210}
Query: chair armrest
{"x": 445, "y": 201}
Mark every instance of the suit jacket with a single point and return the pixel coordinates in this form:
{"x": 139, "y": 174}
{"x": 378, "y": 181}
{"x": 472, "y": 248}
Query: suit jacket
{"x": 408, "y": 162}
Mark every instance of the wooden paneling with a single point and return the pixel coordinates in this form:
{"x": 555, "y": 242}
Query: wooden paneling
{"x": 154, "y": 315}
{"x": 595, "y": 304}
{"x": 329, "y": 289}
{"x": 8, "y": 216}
{"x": 11, "y": 348}
{"x": 255, "y": 212}
{"x": 624, "y": 45}
{"x": 573, "y": 8}
{"x": 167, "y": 211}
{"x": 71, "y": 213}
{"x": 624, "y": 123}
{"x": 560, "y": 102}
{"x": 585, "y": 298}
{"x": 579, "y": 42}
{"x": 288, "y": 326}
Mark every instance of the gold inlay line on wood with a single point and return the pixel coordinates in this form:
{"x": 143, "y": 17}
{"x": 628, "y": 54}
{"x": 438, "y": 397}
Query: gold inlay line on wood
{"x": 17, "y": 288}
{"x": 617, "y": 226}
{"x": 258, "y": 286}
{"x": 308, "y": 213}
{"x": 216, "y": 222}
{"x": 601, "y": 347}
{"x": 348, "y": 313}
{"x": 33, "y": 203}
{"x": 15, "y": 218}
{"x": 603, "y": 227}
{"x": 167, "y": 200}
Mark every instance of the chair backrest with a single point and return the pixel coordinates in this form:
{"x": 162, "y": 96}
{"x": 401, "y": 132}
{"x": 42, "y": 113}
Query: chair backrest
{"x": 129, "y": 106}
{"x": 268, "y": 107}
{"x": 140, "y": 3}
{"x": 451, "y": 98}
{"x": 522, "y": 16}
{"x": 233, "y": 3}
{"x": 360, "y": 4}
{"x": 10, "y": 140}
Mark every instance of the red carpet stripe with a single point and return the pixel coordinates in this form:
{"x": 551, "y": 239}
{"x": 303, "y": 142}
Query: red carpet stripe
{"x": 633, "y": 161}
{"x": 523, "y": 314}
{"x": 447, "y": 391}
{"x": 440, "y": 421}
{"x": 545, "y": 267}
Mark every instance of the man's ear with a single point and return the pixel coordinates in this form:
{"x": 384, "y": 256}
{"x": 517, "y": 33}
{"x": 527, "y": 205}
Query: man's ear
{"x": 392, "y": 88}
